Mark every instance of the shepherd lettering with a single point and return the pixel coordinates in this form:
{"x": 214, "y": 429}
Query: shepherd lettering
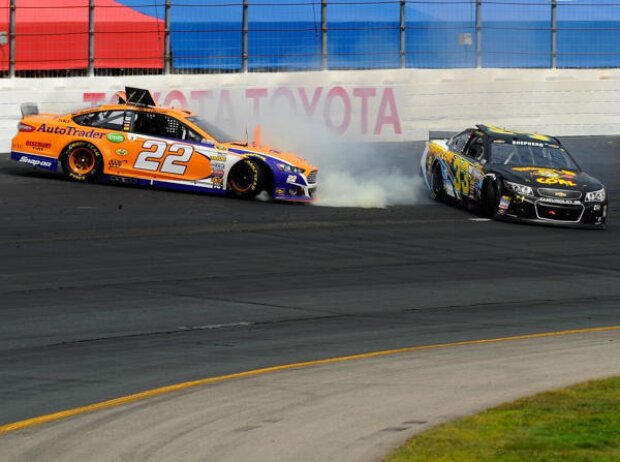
{"x": 70, "y": 131}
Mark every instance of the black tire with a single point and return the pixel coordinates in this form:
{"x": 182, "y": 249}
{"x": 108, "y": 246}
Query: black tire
{"x": 81, "y": 161}
{"x": 492, "y": 195}
{"x": 246, "y": 179}
{"x": 437, "y": 190}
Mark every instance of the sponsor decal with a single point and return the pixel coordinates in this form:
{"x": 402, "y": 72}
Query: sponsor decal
{"x": 115, "y": 163}
{"x": 280, "y": 191}
{"x": 35, "y": 161}
{"x": 547, "y": 172}
{"x": 70, "y": 131}
{"x": 527, "y": 143}
{"x": 121, "y": 179}
{"x": 558, "y": 181}
{"x": 121, "y": 152}
{"x": 552, "y": 200}
{"x": 549, "y": 176}
{"x": 504, "y": 203}
{"x": 38, "y": 144}
{"x": 115, "y": 138}
{"x": 218, "y": 158}
{"x": 127, "y": 122}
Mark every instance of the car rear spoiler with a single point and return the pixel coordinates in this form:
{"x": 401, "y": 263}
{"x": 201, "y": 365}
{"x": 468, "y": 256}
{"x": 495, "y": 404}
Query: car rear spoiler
{"x": 29, "y": 109}
{"x": 441, "y": 135}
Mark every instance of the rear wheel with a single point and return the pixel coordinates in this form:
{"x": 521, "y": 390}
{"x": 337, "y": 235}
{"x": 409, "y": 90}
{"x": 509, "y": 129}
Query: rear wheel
{"x": 437, "y": 188}
{"x": 246, "y": 179}
{"x": 81, "y": 161}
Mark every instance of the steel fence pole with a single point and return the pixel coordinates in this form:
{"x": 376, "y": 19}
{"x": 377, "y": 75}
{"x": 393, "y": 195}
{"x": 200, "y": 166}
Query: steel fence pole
{"x": 91, "y": 38}
{"x": 403, "y": 36}
{"x": 324, "y": 34}
{"x": 554, "y": 30}
{"x": 478, "y": 33}
{"x": 244, "y": 37}
{"x": 12, "y": 39}
{"x": 167, "y": 49}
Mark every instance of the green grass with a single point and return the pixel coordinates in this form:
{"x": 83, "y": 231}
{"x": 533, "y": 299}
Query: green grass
{"x": 580, "y": 423}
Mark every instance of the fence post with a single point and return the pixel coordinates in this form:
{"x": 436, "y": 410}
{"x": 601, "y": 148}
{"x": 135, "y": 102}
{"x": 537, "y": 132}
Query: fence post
{"x": 403, "y": 36}
{"x": 244, "y": 37}
{"x": 478, "y": 33}
{"x": 554, "y": 30}
{"x": 324, "y": 34}
{"x": 167, "y": 49}
{"x": 12, "y": 39}
{"x": 91, "y": 38}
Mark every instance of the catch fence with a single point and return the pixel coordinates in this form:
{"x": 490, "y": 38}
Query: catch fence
{"x": 111, "y": 37}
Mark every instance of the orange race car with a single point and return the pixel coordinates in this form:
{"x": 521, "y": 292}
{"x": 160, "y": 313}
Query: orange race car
{"x": 138, "y": 142}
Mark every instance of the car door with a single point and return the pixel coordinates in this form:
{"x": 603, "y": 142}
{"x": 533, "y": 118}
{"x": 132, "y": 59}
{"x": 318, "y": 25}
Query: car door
{"x": 468, "y": 170}
{"x": 164, "y": 148}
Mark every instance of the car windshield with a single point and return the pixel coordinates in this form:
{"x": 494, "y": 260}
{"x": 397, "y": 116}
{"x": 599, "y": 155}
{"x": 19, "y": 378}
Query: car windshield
{"x": 217, "y": 133}
{"x": 536, "y": 155}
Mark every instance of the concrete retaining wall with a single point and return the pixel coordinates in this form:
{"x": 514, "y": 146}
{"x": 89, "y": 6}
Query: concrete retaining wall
{"x": 392, "y": 105}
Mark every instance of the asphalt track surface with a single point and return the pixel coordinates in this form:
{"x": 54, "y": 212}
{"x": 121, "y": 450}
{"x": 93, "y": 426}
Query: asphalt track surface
{"x": 349, "y": 411}
{"x": 110, "y": 290}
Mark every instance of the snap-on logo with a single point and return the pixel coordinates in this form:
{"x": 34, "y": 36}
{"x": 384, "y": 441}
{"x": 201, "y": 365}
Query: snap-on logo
{"x": 35, "y": 162}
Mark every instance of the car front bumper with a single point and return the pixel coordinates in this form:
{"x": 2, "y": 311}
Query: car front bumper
{"x": 560, "y": 213}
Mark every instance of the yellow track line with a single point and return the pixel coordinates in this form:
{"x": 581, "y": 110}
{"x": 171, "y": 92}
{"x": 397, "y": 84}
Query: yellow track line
{"x": 22, "y": 424}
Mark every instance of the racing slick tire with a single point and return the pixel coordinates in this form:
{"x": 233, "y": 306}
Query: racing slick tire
{"x": 492, "y": 195}
{"x": 81, "y": 161}
{"x": 246, "y": 179}
{"x": 437, "y": 190}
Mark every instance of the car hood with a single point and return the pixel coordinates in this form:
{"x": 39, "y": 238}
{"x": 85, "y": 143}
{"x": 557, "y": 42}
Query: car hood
{"x": 544, "y": 177}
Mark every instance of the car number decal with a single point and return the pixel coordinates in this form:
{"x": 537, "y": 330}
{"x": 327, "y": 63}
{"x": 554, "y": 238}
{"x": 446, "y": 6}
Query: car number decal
{"x": 175, "y": 157}
{"x": 461, "y": 175}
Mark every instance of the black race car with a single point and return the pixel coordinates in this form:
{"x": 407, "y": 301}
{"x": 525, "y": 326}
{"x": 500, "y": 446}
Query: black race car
{"x": 518, "y": 176}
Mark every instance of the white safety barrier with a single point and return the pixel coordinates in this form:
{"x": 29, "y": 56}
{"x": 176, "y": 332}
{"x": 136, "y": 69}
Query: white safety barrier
{"x": 386, "y": 105}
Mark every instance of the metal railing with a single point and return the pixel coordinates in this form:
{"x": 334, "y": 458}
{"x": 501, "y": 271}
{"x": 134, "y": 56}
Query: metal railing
{"x": 193, "y": 36}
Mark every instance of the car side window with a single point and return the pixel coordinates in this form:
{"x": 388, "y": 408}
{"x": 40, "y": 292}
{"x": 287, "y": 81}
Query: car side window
{"x": 111, "y": 120}
{"x": 476, "y": 148}
{"x": 458, "y": 142}
{"x": 152, "y": 123}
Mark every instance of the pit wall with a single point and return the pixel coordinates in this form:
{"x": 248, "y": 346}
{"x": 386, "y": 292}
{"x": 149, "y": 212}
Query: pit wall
{"x": 387, "y": 105}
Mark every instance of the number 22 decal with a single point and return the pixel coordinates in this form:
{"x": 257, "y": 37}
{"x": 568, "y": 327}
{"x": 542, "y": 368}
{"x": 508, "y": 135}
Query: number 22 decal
{"x": 175, "y": 161}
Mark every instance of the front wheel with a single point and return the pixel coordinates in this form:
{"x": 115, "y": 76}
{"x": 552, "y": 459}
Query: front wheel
{"x": 81, "y": 161}
{"x": 246, "y": 179}
{"x": 492, "y": 195}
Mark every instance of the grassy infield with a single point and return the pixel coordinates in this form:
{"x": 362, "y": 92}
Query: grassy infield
{"x": 580, "y": 423}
